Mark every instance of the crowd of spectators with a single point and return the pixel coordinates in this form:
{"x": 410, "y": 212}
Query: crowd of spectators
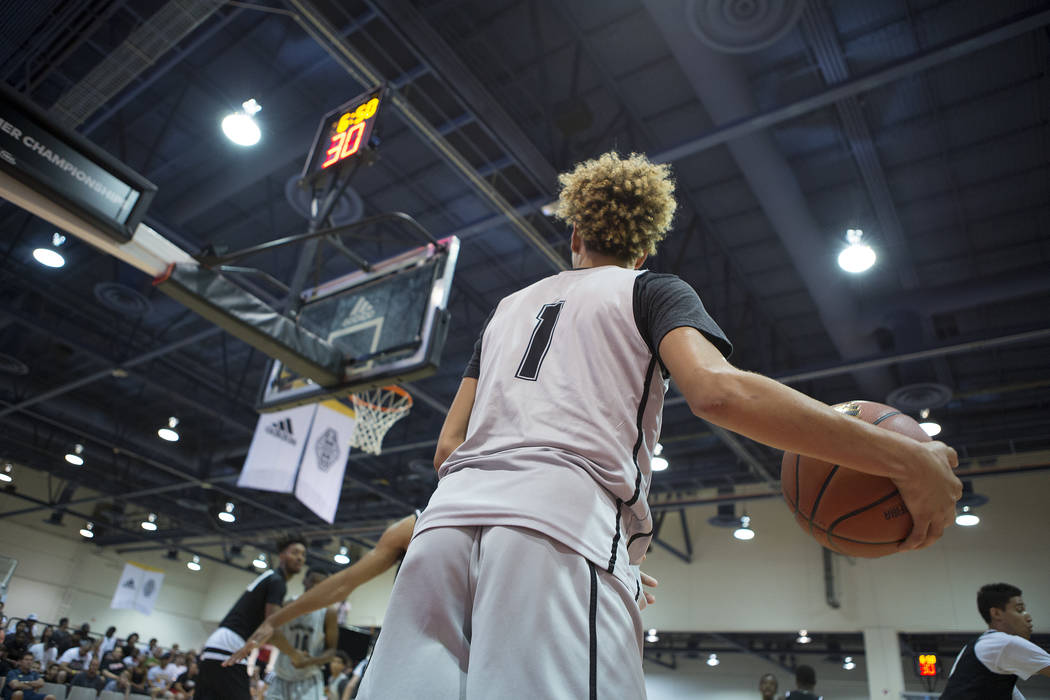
{"x": 33, "y": 653}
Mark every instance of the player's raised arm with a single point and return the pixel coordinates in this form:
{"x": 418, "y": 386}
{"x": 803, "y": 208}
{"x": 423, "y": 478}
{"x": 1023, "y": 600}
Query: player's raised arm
{"x": 336, "y": 588}
{"x": 774, "y": 414}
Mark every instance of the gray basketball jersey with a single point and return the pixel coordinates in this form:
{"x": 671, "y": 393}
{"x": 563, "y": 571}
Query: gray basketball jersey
{"x": 566, "y": 415}
{"x": 305, "y": 633}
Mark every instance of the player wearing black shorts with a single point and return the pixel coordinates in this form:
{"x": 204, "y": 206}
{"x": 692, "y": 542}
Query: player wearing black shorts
{"x": 262, "y": 598}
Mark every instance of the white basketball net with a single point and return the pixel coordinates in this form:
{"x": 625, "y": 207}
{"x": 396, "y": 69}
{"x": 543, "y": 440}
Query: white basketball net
{"x": 376, "y": 410}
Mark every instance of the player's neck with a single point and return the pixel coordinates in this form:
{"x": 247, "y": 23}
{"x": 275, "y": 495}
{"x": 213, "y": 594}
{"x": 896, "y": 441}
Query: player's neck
{"x": 587, "y": 259}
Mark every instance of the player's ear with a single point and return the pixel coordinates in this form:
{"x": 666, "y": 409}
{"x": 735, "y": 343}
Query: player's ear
{"x": 641, "y": 261}
{"x": 575, "y": 242}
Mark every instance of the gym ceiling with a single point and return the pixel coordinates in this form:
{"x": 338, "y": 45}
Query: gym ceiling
{"x": 924, "y": 123}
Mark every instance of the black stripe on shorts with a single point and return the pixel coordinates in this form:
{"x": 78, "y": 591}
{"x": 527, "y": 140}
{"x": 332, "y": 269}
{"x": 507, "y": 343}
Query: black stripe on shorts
{"x": 594, "y": 632}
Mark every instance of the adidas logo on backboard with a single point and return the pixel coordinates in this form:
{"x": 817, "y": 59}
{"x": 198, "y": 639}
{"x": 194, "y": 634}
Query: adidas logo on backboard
{"x": 362, "y": 311}
{"x": 282, "y": 430}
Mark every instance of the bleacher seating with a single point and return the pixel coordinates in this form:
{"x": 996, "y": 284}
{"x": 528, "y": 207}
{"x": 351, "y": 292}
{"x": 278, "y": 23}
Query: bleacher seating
{"x": 56, "y": 689}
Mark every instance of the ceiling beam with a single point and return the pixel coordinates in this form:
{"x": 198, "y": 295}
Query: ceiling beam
{"x": 942, "y": 53}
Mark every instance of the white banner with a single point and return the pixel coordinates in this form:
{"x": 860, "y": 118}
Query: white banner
{"x": 277, "y": 449}
{"x": 137, "y": 588}
{"x": 320, "y": 481}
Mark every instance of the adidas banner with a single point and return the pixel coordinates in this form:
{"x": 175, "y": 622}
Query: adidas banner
{"x": 323, "y": 464}
{"x": 137, "y": 588}
{"x": 277, "y": 449}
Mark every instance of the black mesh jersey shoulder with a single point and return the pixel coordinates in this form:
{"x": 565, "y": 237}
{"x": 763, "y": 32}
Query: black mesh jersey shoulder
{"x": 250, "y": 609}
{"x": 663, "y": 302}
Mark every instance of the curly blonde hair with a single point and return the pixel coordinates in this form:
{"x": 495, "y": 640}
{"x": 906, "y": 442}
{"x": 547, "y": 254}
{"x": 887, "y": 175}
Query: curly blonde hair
{"x": 621, "y": 207}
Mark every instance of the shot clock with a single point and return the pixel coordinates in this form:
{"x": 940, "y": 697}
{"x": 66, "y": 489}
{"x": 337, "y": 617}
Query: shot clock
{"x": 344, "y": 133}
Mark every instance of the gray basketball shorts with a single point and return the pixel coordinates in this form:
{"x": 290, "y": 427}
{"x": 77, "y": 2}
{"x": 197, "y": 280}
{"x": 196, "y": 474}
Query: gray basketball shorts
{"x": 486, "y": 613}
{"x": 309, "y": 689}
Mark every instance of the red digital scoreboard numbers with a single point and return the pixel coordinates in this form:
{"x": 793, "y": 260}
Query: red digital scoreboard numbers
{"x": 927, "y": 664}
{"x": 344, "y": 133}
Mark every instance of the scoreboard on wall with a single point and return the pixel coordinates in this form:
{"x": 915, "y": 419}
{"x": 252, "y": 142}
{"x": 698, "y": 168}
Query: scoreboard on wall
{"x": 344, "y": 133}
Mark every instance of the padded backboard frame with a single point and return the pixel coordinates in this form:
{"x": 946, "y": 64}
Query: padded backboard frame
{"x": 391, "y": 323}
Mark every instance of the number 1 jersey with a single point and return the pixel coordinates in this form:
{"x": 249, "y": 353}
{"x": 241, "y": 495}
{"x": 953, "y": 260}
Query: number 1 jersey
{"x": 568, "y": 410}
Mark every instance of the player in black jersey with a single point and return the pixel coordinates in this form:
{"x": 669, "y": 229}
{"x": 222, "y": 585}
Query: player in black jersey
{"x": 262, "y": 598}
{"x": 988, "y": 667}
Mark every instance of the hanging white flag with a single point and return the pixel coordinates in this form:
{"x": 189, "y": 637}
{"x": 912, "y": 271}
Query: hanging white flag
{"x": 137, "y": 588}
{"x": 320, "y": 479}
{"x": 277, "y": 449}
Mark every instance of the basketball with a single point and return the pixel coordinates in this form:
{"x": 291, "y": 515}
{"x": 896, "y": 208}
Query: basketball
{"x": 850, "y": 512}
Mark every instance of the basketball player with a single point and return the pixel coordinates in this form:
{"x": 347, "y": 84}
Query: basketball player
{"x": 336, "y": 588}
{"x": 988, "y": 667}
{"x": 767, "y": 686}
{"x": 263, "y": 596}
{"x": 545, "y": 457}
{"x": 316, "y": 635}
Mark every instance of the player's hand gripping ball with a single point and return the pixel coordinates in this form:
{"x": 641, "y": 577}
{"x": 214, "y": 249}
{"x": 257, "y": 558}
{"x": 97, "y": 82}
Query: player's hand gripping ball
{"x": 850, "y": 512}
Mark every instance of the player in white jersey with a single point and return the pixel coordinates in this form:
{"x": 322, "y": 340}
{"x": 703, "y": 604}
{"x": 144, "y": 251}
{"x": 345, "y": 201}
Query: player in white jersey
{"x": 517, "y": 581}
{"x": 315, "y": 635}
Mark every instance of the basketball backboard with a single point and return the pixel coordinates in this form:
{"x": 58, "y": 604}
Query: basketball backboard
{"x": 389, "y": 322}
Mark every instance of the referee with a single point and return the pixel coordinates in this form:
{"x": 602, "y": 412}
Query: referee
{"x": 263, "y": 596}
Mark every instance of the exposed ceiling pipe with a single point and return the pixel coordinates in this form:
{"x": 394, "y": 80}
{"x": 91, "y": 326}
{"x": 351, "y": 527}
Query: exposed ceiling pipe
{"x": 143, "y": 48}
{"x": 723, "y": 89}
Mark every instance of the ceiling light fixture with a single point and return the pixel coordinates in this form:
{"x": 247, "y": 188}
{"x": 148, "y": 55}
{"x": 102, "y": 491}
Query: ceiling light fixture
{"x": 194, "y": 564}
{"x": 931, "y": 428}
{"x": 658, "y": 464}
{"x": 712, "y": 660}
{"x": 168, "y": 432}
{"x": 803, "y": 637}
{"x": 49, "y": 257}
{"x": 856, "y": 257}
{"x": 966, "y": 517}
{"x": 150, "y": 523}
{"x": 88, "y": 531}
{"x": 227, "y": 515}
{"x": 5, "y": 473}
{"x": 260, "y": 561}
{"x": 240, "y": 127}
{"x": 847, "y": 663}
{"x": 343, "y": 557}
{"x": 74, "y": 457}
{"x": 651, "y": 636}
{"x": 744, "y": 532}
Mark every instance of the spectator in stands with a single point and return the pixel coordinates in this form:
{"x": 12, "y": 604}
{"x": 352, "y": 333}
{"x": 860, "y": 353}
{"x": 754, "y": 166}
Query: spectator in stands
{"x": 187, "y": 682}
{"x": 76, "y": 658}
{"x": 44, "y": 651}
{"x": 339, "y": 675}
{"x": 23, "y": 683}
{"x": 158, "y": 680}
{"x": 3, "y": 616}
{"x": 113, "y": 670}
{"x": 62, "y": 635}
{"x": 19, "y": 642}
{"x": 5, "y": 665}
{"x": 90, "y": 677}
{"x": 139, "y": 682}
{"x": 109, "y": 642}
{"x": 130, "y": 646}
{"x": 153, "y": 650}
{"x": 55, "y": 674}
{"x": 176, "y": 665}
